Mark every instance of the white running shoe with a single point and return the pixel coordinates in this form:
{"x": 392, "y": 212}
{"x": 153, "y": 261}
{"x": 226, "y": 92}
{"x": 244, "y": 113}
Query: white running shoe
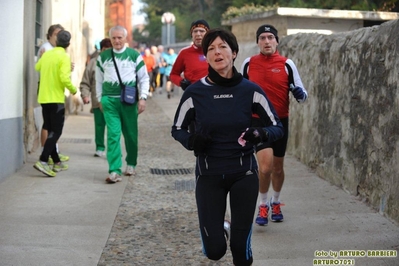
{"x": 130, "y": 170}
{"x": 113, "y": 178}
{"x": 99, "y": 154}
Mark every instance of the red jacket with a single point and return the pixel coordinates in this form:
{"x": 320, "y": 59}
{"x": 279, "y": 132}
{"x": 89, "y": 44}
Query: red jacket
{"x": 192, "y": 63}
{"x": 269, "y": 72}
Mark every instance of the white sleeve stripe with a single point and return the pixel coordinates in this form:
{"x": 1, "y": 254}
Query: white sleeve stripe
{"x": 185, "y": 107}
{"x": 259, "y": 98}
{"x": 246, "y": 62}
{"x": 295, "y": 73}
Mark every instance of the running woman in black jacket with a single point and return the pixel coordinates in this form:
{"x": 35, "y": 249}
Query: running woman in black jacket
{"x": 222, "y": 104}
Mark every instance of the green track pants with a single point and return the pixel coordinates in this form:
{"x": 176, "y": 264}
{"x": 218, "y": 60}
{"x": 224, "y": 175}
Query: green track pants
{"x": 99, "y": 129}
{"x": 120, "y": 119}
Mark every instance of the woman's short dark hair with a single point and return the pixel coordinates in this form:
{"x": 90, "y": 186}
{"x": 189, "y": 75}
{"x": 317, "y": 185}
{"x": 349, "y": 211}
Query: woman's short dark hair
{"x": 225, "y": 35}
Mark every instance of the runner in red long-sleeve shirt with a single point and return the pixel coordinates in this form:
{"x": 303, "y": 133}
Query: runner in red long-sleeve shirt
{"x": 277, "y": 76}
{"x": 191, "y": 65}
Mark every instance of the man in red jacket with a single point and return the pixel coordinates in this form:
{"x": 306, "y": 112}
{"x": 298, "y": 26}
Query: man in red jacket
{"x": 191, "y": 64}
{"x": 277, "y": 76}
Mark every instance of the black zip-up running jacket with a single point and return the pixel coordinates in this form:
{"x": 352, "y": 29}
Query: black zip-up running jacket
{"x": 224, "y": 113}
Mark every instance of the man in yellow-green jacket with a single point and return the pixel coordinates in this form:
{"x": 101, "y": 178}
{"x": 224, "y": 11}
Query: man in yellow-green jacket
{"x": 55, "y": 72}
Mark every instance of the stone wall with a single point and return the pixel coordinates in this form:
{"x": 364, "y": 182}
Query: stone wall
{"x": 348, "y": 131}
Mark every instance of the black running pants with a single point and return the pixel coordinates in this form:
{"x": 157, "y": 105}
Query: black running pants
{"x": 211, "y": 196}
{"x": 54, "y": 117}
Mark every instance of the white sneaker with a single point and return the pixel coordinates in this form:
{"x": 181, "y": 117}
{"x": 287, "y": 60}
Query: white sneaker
{"x": 150, "y": 94}
{"x": 113, "y": 178}
{"x": 130, "y": 170}
{"x": 99, "y": 154}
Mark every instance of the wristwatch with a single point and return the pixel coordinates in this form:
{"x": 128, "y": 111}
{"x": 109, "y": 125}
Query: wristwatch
{"x": 142, "y": 98}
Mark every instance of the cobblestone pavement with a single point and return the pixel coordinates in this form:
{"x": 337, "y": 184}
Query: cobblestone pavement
{"x": 157, "y": 223}
{"x": 157, "y": 220}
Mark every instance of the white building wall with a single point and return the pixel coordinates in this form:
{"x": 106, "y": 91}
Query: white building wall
{"x": 11, "y": 88}
{"x": 93, "y": 17}
{"x": 85, "y": 20}
{"x": 321, "y": 25}
{"x": 11, "y": 58}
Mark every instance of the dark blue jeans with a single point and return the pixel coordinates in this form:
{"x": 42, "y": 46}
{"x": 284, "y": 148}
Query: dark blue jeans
{"x": 54, "y": 117}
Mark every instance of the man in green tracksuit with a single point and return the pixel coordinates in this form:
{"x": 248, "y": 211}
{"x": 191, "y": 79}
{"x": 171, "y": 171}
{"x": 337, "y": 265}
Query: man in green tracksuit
{"x": 119, "y": 117}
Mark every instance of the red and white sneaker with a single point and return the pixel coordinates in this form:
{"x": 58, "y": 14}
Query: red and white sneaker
{"x": 276, "y": 216}
{"x": 130, "y": 170}
{"x": 113, "y": 178}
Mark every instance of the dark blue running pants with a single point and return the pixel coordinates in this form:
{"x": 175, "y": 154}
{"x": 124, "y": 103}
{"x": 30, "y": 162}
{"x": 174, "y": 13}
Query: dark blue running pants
{"x": 211, "y": 196}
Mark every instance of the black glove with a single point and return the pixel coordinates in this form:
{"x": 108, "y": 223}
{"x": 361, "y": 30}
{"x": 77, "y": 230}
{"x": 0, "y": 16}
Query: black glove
{"x": 184, "y": 84}
{"x": 298, "y": 93}
{"x": 199, "y": 143}
{"x": 256, "y": 135}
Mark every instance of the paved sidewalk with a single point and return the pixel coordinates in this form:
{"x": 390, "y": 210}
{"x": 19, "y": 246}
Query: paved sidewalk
{"x": 150, "y": 219}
